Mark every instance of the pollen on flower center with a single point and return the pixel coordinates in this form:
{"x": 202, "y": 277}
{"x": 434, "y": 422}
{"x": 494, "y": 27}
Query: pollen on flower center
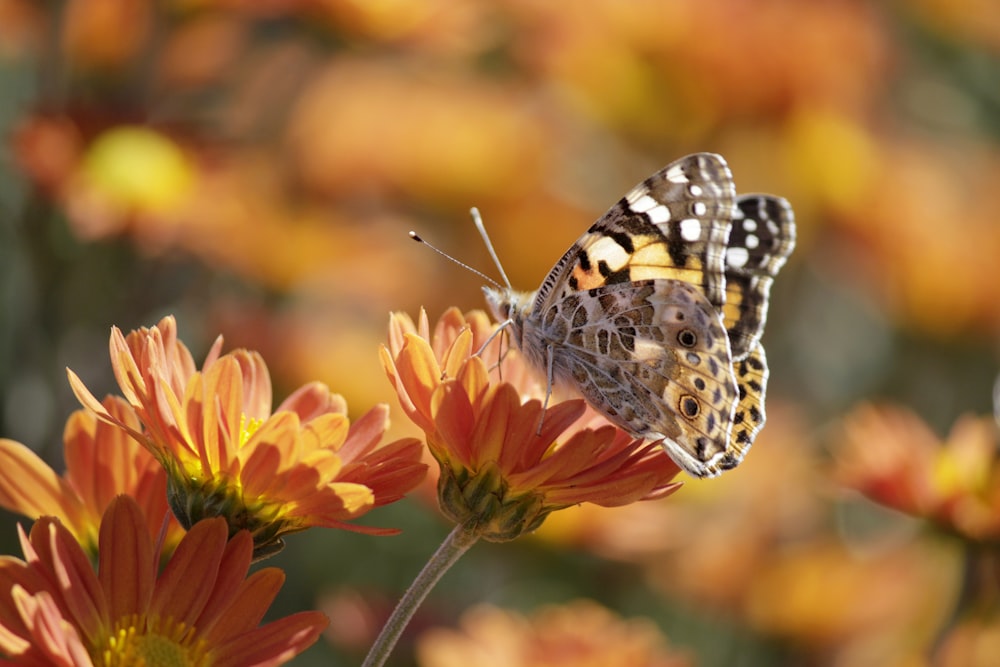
{"x": 248, "y": 426}
{"x": 164, "y": 644}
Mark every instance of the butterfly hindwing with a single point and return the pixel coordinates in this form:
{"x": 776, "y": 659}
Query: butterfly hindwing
{"x": 761, "y": 239}
{"x": 653, "y": 357}
{"x": 749, "y": 417}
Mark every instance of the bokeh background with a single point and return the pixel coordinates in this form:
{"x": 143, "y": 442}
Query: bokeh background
{"x": 254, "y": 168}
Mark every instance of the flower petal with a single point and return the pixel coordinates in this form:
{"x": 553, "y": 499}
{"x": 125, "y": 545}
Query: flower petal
{"x": 186, "y": 584}
{"x": 365, "y": 432}
{"x": 30, "y": 487}
{"x": 127, "y": 566}
{"x": 247, "y": 605}
{"x": 50, "y": 633}
{"x": 62, "y": 557}
{"x": 312, "y": 400}
{"x": 224, "y": 601}
{"x": 275, "y": 643}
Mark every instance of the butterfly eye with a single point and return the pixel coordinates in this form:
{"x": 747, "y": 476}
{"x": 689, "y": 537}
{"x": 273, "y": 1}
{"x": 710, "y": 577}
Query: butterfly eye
{"x": 687, "y": 338}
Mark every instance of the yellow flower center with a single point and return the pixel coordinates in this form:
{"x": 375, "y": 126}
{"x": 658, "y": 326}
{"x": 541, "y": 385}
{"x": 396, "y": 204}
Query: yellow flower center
{"x": 248, "y": 427}
{"x": 953, "y": 476}
{"x": 165, "y": 643}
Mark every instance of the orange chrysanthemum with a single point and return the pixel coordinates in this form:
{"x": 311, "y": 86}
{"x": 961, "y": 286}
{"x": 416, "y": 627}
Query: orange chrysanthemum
{"x": 201, "y": 611}
{"x": 502, "y": 474}
{"x": 226, "y": 454}
{"x": 102, "y": 461}
{"x": 892, "y": 456}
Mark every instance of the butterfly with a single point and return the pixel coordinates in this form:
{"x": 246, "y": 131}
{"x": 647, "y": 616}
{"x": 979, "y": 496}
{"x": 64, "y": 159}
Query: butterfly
{"x": 655, "y": 314}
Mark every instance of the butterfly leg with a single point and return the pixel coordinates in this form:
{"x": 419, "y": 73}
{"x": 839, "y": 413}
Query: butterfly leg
{"x": 549, "y": 355}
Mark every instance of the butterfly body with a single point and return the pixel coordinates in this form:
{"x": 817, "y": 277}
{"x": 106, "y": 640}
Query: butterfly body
{"x": 655, "y": 317}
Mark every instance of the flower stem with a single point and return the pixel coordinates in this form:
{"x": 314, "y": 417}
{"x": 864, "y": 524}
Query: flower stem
{"x": 457, "y": 543}
{"x": 978, "y": 594}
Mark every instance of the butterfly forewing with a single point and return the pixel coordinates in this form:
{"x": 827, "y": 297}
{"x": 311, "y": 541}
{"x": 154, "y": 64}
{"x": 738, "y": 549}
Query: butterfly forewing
{"x": 761, "y": 239}
{"x": 673, "y": 225}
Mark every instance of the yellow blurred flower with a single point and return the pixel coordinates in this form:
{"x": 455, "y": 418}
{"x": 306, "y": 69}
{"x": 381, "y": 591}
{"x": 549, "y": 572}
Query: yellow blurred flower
{"x": 226, "y": 453}
{"x": 580, "y": 633}
{"x": 505, "y": 462}
{"x": 135, "y": 168}
{"x": 102, "y": 461}
{"x": 201, "y": 610}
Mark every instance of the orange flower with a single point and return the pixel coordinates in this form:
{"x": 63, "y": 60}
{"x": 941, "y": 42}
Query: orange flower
{"x": 101, "y": 463}
{"x": 893, "y": 457}
{"x": 226, "y": 454}
{"x": 202, "y": 609}
{"x": 579, "y": 633}
{"x": 972, "y": 642}
{"x": 502, "y": 474}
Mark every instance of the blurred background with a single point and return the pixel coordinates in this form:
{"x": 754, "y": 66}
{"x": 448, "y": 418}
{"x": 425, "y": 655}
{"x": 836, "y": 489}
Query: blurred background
{"x": 254, "y": 168}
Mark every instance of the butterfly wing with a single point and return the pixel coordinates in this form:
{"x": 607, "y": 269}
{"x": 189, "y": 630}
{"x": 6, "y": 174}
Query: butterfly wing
{"x": 653, "y": 357}
{"x": 761, "y": 239}
{"x": 674, "y": 225}
{"x": 748, "y": 419}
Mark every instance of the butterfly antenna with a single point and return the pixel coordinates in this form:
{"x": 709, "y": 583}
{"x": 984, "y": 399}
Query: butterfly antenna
{"x": 478, "y": 220}
{"x": 415, "y": 237}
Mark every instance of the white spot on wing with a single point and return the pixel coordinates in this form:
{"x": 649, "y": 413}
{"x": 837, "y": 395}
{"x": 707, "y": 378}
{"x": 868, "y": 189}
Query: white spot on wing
{"x": 750, "y": 225}
{"x": 690, "y": 229}
{"x": 737, "y": 257}
{"x": 640, "y": 201}
{"x": 695, "y": 190}
{"x": 676, "y": 175}
{"x": 606, "y": 249}
{"x": 751, "y": 241}
{"x": 647, "y": 349}
{"x": 643, "y": 203}
{"x": 659, "y": 214}
{"x": 635, "y": 194}
{"x": 699, "y": 208}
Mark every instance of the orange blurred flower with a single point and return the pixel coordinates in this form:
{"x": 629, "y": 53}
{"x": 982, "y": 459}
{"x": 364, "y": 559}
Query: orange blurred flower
{"x": 890, "y": 455}
{"x": 578, "y": 633}
{"x": 226, "y": 454}
{"x": 102, "y": 462}
{"x": 971, "y": 643}
{"x": 202, "y": 609}
{"x": 104, "y": 34}
{"x": 501, "y": 474}
{"x": 883, "y": 604}
{"x": 924, "y": 279}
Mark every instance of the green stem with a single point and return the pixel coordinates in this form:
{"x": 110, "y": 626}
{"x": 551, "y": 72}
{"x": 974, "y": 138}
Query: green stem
{"x": 457, "y": 543}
